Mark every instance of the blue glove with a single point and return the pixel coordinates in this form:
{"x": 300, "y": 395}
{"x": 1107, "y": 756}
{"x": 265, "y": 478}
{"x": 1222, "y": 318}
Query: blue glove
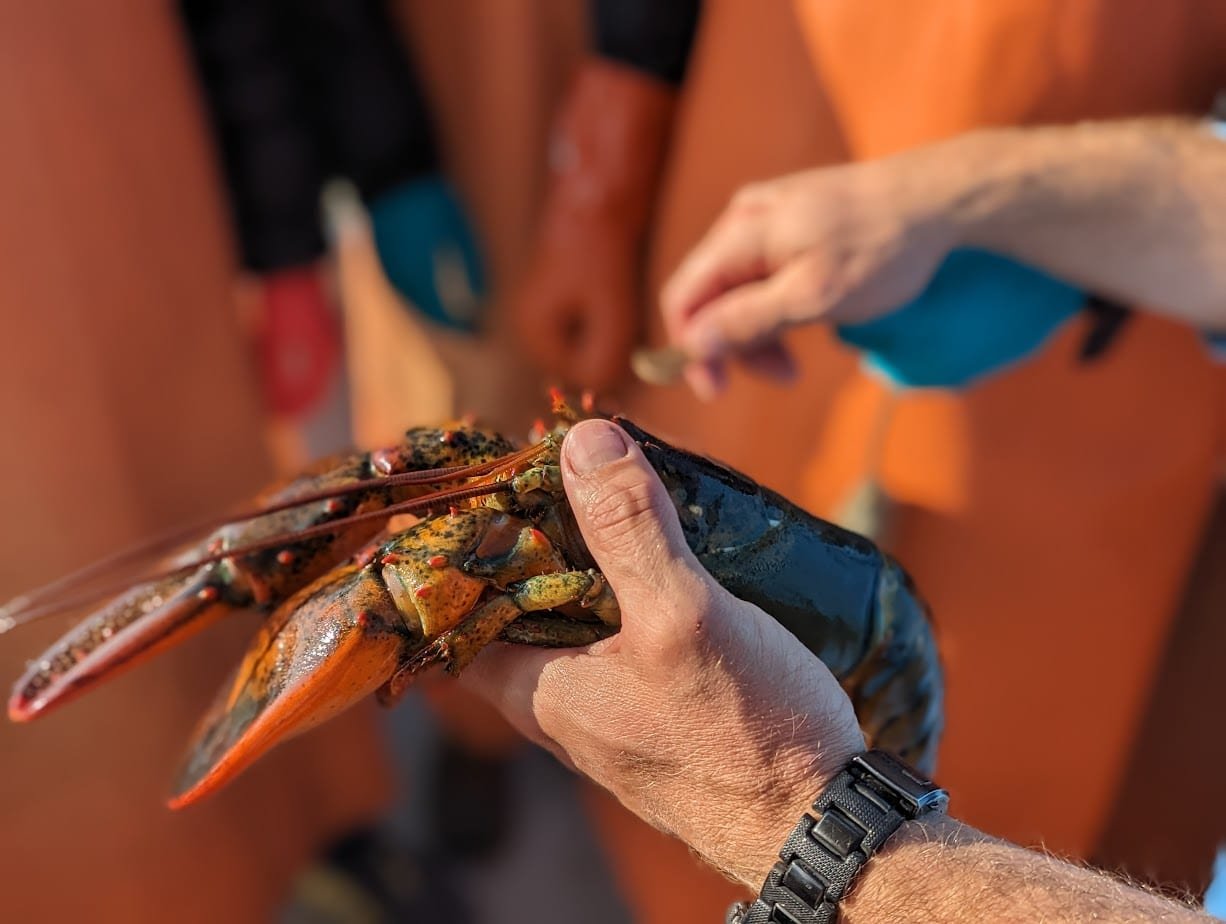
{"x": 1215, "y": 897}
{"x": 1216, "y": 343}
{"x": 429, "y": 252}
{"x": 980, "y": 313}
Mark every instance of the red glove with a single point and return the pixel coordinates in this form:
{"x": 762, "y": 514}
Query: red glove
{"x": 578, "y": 313}
{"x": 297, "y": 338}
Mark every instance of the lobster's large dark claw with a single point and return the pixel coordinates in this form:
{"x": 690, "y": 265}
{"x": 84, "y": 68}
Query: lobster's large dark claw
{"x": 326, "y": 648}
{"x": 128, "y": 630}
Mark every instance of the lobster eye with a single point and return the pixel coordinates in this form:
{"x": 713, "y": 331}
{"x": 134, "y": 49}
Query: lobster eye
{"x": 388, "y": 461}
{"x": 499, "y": 539}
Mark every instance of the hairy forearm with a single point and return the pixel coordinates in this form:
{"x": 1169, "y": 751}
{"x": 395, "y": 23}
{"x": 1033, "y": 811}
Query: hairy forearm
{"x": 939, "y": 870}
{"x": 1133, "y": 210}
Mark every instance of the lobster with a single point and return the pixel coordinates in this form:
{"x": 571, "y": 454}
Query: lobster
{"x": 352, "y": 609}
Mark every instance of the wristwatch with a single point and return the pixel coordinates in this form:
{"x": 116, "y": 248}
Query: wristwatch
{"x": 855, "y": 816}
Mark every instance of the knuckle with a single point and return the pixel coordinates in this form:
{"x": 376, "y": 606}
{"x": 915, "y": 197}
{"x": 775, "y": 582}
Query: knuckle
{"x": 810, "y": 280}
{"x": 672, "y": 296}
{"x": 631, "y": 765}
{"x": 683, "y": 633}
{"x": 751, "y": 196}
{"x": 742, "y": 318}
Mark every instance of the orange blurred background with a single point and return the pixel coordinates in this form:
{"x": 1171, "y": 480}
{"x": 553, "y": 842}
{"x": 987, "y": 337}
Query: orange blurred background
{"x": 130, "y": 403}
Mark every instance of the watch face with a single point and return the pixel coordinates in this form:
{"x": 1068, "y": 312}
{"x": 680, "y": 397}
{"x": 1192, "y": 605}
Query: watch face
{"x": 917, "y": 795}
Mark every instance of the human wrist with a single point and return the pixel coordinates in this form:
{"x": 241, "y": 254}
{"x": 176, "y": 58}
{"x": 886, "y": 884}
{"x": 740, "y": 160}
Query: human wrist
{"x": 851, "y": 821}
{"x": 780, "y": 809}
{"x": 943, "y": 194}
{"x": 973, "y": 184}
{"x": 608, "y": 145}
{"x": 906, "y": 866}
{"x": 990, "y": 186}
{"x": 1021, "y": 182}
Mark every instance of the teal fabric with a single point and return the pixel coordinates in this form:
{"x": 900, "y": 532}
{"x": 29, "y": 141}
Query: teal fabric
{"x": 1217, "y": 346}
{"x": 980, "y": 313}
{"x": 1215, "y": 898}
{"x": 429, "y": 252}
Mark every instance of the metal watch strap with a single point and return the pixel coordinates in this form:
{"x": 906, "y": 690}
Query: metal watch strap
{"x": 857, "y": 813}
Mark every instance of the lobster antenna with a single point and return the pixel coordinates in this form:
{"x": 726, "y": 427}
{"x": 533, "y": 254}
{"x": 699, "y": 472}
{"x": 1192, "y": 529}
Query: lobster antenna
{"x": 9, "y": 621}
{"x": 416, "y": 505}
{"x": 32, "y": 605}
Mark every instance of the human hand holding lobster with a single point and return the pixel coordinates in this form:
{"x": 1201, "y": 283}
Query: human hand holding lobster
{"x": 713, "y": 723}
{"x": 704, "y": 715}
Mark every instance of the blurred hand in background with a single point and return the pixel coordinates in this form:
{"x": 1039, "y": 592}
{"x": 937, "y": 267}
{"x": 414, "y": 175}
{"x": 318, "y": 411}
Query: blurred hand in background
{"x": 852, "y": 244}
{"x": 579, "y": 311}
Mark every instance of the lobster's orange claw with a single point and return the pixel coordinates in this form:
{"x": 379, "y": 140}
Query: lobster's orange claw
{"x": 326, "y": 648}
{"x": 134, "y": 626}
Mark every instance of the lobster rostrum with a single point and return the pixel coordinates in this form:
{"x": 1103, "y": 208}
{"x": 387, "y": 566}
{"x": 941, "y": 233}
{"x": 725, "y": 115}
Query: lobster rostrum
{"x": 353, "y": 609}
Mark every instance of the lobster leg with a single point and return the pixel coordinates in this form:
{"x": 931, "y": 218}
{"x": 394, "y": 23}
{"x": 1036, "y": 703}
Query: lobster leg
{"x": 457, "y": 647}
{"x": 551, "y": 632}
{"x": 547, "y": 478}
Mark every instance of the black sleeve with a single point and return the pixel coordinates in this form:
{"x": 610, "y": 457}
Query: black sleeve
{"x": 653, "y": 36}
{"x": 269, "y": 152}
{"x": 366, "y": 96}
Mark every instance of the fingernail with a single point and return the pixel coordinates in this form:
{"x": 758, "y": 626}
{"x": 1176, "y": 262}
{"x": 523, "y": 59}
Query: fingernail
{"x": 699, "y": 380}
{"x": 704, "y": 380}
{"x": 594, "y": 443}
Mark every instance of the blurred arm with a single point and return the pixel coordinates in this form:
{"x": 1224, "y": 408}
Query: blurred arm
{"x": 273, "y": 166}
{"x": 1134, "y": 210}
{"x": 578, "y": 312}
{"x": 274, "y": 170}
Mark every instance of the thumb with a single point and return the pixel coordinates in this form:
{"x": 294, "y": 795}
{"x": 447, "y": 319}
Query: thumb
{"x": 629, "y": 523}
